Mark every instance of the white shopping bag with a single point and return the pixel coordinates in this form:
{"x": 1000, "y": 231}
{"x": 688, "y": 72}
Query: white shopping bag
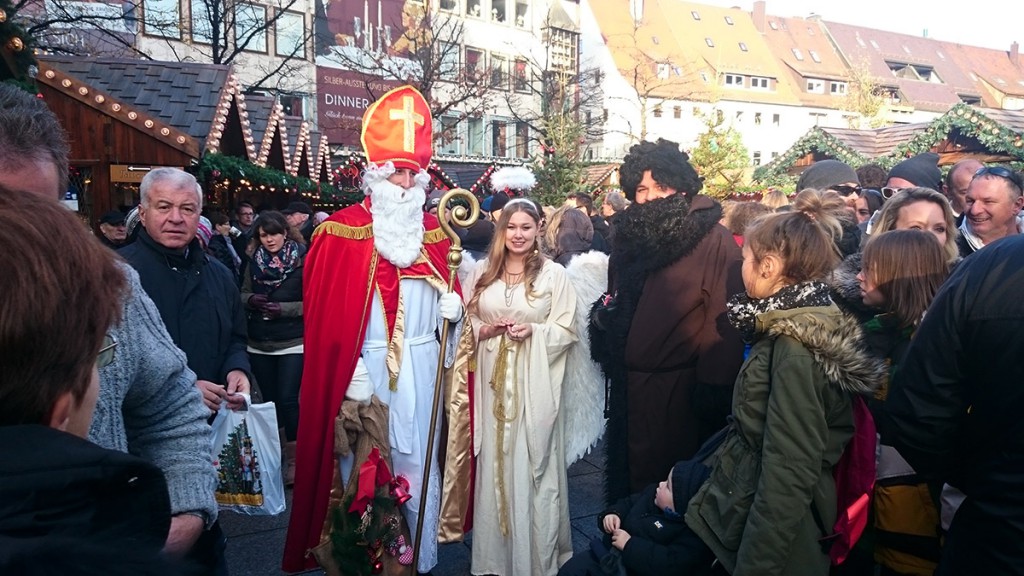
{"x": 247, "y": 455}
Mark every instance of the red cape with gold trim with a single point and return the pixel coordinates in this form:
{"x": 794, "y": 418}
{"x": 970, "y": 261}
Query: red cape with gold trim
{"x": 337, "y": 287}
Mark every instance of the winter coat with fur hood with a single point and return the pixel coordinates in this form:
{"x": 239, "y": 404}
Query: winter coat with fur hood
{"x": 793, "y": 416}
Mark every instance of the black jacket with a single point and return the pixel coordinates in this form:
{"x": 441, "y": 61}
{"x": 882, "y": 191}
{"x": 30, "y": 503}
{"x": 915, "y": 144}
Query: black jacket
{"x": 65, "y": 502}
{"x": 289, "y": 325}
{"x": 954, "y": 408}
{"x": 602, "y": 235}
{"x": 199, "y": 303}
{"x": 964, "y": 246}
{"x": 658, "y": 544}
{"x": 218, "y": 248}
{"x": 307, "y": 229}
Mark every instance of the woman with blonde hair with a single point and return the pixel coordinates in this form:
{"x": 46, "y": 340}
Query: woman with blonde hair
{"x": 521, "y": 307}
{"x": 775, "y": 199}
{"x": 549, "y": 230}
{"x": 793, "y": 401}
{"x": 920, "y": 209}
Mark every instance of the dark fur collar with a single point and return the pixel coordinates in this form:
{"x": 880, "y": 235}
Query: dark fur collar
{"x": 653, "y": 235}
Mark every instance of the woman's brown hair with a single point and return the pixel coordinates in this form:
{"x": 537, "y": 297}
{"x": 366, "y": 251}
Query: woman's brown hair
{"x": 58, "y": 301}
{"x": 908, "y": 266}
{"x": 272, "y": 222}
{"x": 804, "y": 238}
{"x": 497, "y": 252}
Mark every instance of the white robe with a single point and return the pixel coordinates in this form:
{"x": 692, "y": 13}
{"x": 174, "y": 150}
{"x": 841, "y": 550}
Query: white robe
{"x": 539, "y": 540}
{"x": 409, "y": 406}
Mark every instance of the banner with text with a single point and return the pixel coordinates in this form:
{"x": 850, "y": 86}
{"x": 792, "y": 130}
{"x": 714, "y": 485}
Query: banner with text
{"x": 344, "y": 97}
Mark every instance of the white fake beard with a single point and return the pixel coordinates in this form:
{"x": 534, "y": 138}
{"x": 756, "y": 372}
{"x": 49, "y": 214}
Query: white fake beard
{"x": 397, "y": 221}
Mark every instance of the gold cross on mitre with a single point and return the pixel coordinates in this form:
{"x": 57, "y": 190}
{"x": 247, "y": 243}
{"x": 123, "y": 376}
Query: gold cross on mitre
{"x": 410, "y": 119}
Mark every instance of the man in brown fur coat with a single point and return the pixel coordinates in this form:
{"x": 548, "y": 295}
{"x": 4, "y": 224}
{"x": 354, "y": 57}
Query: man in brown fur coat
{"x": 662, "y": 337}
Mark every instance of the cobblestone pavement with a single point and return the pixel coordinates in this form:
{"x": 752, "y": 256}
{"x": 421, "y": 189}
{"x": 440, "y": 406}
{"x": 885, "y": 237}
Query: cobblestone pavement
{"x": 255, "y": 542}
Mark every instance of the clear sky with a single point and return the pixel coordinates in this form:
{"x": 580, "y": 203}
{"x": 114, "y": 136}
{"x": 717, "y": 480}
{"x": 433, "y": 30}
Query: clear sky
{"x": 985, "y": 23}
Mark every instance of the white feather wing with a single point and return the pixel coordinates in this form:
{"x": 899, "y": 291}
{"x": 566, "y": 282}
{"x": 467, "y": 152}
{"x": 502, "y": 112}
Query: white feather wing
{"x": 583, "y": 388}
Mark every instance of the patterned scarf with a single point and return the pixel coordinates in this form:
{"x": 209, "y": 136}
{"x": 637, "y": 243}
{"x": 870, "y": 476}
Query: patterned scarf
{"x": 270, "y": 270}
{"x": 744, "y": 310}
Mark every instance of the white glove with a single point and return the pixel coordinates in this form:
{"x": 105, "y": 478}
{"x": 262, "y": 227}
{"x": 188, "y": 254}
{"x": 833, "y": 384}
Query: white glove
{"x": 450, "y": 306}
{"x": 360, "y": 389}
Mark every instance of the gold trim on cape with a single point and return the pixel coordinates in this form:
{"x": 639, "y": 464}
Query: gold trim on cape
{"x": 434, "y": 236}
{"x": 457, "y": 488}
{"x": 364, "y": 232}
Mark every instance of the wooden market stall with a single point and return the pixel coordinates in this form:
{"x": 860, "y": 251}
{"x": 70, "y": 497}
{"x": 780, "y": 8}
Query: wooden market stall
{"x": 125, "y": 117}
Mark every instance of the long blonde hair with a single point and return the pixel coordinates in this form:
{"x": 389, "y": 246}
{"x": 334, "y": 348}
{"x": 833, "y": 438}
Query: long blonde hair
{"x": 890, "y": 213}
{"x": 550, "y": 240}
{"x": 497, "y": 253}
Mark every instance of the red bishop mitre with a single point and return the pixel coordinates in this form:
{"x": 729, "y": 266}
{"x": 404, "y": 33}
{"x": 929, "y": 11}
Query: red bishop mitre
{"x": 398, "y": 128}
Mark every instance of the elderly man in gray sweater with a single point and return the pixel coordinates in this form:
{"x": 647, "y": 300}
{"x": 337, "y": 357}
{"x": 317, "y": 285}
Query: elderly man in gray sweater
{"x": 148, "y": 403}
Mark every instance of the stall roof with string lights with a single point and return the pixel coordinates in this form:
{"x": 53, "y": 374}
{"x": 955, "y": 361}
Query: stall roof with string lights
{"x": 128, "y": 116}
{"x": 986, "y": 134}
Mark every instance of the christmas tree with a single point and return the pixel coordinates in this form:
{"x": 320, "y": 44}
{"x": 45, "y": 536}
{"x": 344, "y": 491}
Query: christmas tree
{"x": 238, "y": 472}
{"x": 17, "y": 58}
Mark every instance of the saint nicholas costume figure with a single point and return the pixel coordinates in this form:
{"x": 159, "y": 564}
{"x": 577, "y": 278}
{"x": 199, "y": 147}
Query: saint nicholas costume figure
{"x": 375, "y": 297}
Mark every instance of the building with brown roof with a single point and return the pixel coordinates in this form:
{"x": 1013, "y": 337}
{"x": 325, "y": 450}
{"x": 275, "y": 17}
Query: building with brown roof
{"x": 780, "y": 80}
{"x": 752, "y": 68}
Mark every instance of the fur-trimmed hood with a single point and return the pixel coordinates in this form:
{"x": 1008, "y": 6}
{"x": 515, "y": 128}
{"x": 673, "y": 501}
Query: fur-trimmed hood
{"x": 834, "y": 339}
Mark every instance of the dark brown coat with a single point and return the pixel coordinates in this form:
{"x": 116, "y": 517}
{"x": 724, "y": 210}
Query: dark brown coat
{"x": 679, "y": 340}
{"x": 667, "y": 350}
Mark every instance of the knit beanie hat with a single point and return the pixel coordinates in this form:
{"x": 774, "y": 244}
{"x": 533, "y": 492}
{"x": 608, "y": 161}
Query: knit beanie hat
{"x": 921, "y": 170}
{"x": 687, "y": 477}
{"x": 825, "y": 174}
{"x": 205, "y": 231}
{"x": 498, "y": 201}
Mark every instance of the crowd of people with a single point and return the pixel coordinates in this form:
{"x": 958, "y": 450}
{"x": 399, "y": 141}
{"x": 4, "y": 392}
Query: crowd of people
{"x": 721, "y": 351}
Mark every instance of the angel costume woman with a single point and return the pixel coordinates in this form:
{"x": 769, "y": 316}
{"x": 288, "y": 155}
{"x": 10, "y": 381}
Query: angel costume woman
{"x": 522, "y": 308}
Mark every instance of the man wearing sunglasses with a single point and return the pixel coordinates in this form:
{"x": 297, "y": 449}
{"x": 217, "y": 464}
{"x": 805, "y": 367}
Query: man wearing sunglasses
{"x": 993, "y": 208}
{"x": 832, "y": 175}
{"x": 843, "y": 180}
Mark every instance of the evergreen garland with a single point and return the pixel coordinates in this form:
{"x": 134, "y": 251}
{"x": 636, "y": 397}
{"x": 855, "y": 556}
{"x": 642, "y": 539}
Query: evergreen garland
{"x": 961, "y": 119}
{"x": 817, "y": 140}
{"x": 17, "y": 49}
{"x": 352, "y": 537}
{"x": 214, "y": 169}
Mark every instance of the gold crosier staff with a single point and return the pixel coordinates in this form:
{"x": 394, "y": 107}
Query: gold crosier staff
{"x": 464, "y": 218}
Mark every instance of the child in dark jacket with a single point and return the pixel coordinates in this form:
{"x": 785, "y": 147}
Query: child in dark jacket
{"x": 645, "y": 533}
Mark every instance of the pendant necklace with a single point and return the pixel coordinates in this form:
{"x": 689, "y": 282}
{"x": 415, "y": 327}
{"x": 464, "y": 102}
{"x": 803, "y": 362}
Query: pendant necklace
{"x": 512, "y": 281}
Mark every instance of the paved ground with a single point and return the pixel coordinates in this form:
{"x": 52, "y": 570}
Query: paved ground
{"x": 255, "y": 542}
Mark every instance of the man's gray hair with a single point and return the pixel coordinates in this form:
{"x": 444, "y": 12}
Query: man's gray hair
{"x": 175, "y": 178}
{"x": 30, "y": 131}
{"x": 616, "y": 200}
